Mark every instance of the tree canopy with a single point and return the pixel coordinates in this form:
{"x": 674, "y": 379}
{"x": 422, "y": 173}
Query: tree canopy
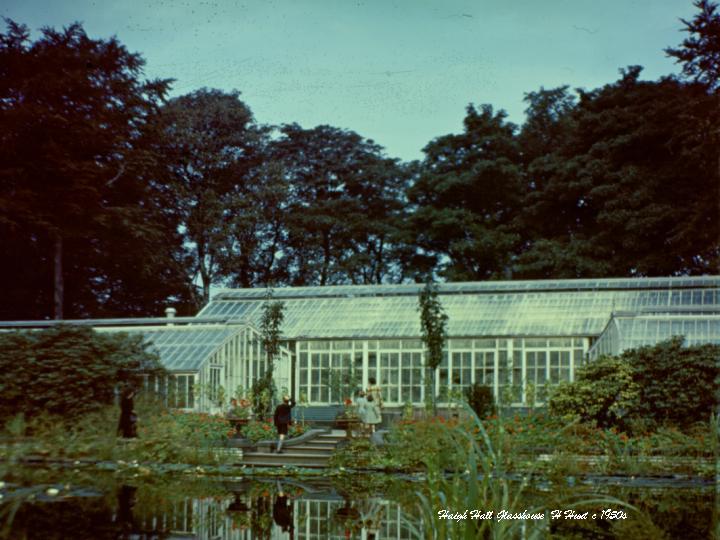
{"x": 76, "y": 215}
{"x": 115, "y": 200}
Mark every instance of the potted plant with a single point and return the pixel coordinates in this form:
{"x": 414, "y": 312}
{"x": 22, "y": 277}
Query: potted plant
{"x": 239, "y": 415}
{"x": 348, "y": 418}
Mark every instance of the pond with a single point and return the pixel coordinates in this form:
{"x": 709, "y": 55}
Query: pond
{"x": 135, "y": 502}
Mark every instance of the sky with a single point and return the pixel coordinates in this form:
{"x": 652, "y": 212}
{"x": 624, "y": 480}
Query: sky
{"x": 398, "y": 72}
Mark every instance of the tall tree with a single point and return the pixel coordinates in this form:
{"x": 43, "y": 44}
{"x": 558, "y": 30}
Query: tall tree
{"x": 608, "y": 201}
{"x": 699, "y": 53}
{"x": 468, "y": 191}
{"x": 344, "y": 201}
{"x": 433, "y": 327}
{"x": 252, "y": 253}
{"x": 547, "y": 124}
{"x": 263, "y": 389}
{"x": 374, "y": 220}
{"x": 72, "y": 110}
{"x": 209, "y": 142}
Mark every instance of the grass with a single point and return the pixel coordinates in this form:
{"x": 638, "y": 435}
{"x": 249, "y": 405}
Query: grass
{"x": 491, "y": 464}
{"x": 482, "y": 486}
{"x": 164, "y": 436}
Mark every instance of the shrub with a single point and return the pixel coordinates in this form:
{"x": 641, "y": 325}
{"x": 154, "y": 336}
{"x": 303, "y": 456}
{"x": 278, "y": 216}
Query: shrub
{"x": 481, "y": 400}
{"x": 597, "y": 394}
{"x": 257, "y": 430}
{"x": 676, "y": 385}
{"x": 203, "y": 429}
{"x": 666, "y": 384}
{"x": 360, "y": 452}
{"x": 68, "y": 370}
{"x": 415, "y": 443}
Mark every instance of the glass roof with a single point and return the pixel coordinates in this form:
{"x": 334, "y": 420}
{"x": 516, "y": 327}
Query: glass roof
{"x": 630, "y": 331}
{"x": 471, "y": 287}
{"x": 183, "y": 348}
{"x": 647, "y": 330}
{"x": 523, "y": 308}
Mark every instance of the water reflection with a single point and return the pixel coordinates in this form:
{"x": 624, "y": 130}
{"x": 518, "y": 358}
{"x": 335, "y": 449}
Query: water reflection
{"x": 199, "y": 508}
{"x": 52, "y": 505}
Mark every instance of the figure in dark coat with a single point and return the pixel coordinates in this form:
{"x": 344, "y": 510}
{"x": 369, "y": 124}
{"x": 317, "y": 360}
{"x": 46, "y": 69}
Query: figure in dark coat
{"x": 282, "y": 419}
{"x": 127, "y": 426}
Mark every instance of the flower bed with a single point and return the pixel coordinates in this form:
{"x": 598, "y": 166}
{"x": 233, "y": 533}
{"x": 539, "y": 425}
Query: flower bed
{"x": 202, "y": 427}
{"x": 257, "y": 430}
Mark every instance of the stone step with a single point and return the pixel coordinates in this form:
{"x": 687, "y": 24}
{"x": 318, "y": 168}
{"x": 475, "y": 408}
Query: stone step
{"x": 286, "y": 458}
{"x": 314, "y": 452}
{"x": 330, "y": 438}
{"x": 303, "y": 449}
{"x": 287, "y": 463}
{"x": 321, "y": 443}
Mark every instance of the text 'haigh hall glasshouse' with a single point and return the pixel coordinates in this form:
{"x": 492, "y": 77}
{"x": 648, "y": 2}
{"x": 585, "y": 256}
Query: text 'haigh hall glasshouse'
{"x": 506, "y": 335}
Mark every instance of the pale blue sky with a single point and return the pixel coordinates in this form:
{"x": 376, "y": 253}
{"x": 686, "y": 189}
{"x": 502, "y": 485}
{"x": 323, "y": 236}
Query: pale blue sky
{"x": 399, "y": 72}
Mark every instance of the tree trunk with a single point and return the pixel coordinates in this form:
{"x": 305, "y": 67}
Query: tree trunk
{"x": 325, "y": 270}
{"x": 432, "y": 383}
{"x": 59, "y": 284}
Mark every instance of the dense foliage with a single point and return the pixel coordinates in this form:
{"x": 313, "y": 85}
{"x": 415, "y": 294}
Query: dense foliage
{"x": 433, "y": 330}
{"x": 164, "y": 436}
{"x": 481, "y": 399}
{"x": 68, "y": 371}
{"x": 77, "y": 194}
{"x": 145, "y": 202}
{"x": 258, "y": 430}
{"x": 666, "y": 384}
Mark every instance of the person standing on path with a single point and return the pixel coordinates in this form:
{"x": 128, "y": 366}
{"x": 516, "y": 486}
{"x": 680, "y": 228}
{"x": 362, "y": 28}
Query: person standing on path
{"x": 361, "y": 406}
{"x": 375, "y": 391}
{"x": 282, "y": 419}
{"x": 373, "y": 416}
{"x": 127, "y": 425}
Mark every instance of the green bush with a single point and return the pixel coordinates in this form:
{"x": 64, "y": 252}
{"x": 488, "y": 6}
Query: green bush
{"x": 676, "y": 385}
{"x": 164, "y": 435}
{"x": 642, "y": 389}
{"x": 420, "y": 443}
{"x": 481, "y": 400}
{"x": 597, "y": 395}
{"x": 68, "y": 371}
{"x": 360, "y": 452}
{"x": 167, "y": 436}
{"x": 257, "y": 430}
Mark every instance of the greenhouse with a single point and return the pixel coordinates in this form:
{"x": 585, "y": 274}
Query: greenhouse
{"x": 512, "y": 335}
{"x": 207, "y": 359}
{"x": 207, "y": 362}
{"x": 633, "y": 330}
